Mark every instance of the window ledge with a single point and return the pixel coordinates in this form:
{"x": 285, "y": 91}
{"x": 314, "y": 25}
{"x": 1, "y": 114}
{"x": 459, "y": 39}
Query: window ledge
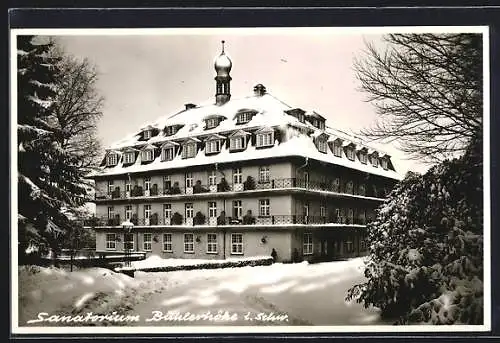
{"x": 212, "y": 252}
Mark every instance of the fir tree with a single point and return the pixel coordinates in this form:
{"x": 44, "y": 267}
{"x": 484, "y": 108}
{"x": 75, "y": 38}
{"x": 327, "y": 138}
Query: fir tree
{"x": 426, "y": 253}
{"x": 49, "y": 184}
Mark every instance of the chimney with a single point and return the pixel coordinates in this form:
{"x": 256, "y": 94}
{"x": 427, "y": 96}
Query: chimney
{"x": 190, "y": 106}
{"x": 259, "y": 90}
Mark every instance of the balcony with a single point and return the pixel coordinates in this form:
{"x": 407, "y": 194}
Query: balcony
{"x": 223, "y": 186}
{"x": 179, "y": 220}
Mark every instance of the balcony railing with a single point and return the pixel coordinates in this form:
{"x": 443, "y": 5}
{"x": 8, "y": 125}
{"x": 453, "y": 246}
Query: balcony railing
{"x": 198, "y": 188}
{"x": 221, "y": 221}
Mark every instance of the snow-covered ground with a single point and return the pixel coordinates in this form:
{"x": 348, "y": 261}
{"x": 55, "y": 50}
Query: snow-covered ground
{"x": 306, "y": 294}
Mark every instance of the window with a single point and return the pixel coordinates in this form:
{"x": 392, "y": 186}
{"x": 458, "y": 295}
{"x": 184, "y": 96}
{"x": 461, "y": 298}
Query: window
{"x": 211, "y": 243}
{"x": 264, "y": 174}
{"x": 111, "y": 187}
{"x": 128, "y": 186}
{"x": 147, "y": 211}
{"x": 147, "y": 134}
{"x": 350, "y": 153}
{"x": 212, "y": 209}
{"x": 237, "y": 176}
{"x": 362, "y": 189}
{"x": 322, "y": 211}
{"x": 188, "y": 243}
{"x": 128, "y": 212}
{"x": 264, "y": 208}
{"x": 244, "y": 117}
{"x": 237, "y": 243}
{"x": 350, "y": 215}
{"x": 322, "y": 146}
{"x": 167, "y": 183}
{"x": 321, "y": 125}
{"x": 362, "y": 157}
{"x": 349, "y": 247}
{"x": 306, "y": 210}
{"x": 112, "y": 159}
{"x": 167, "y": 153}
{"x": 129, "y": 157}
{"x": 308, "y": 244}
{"x": 237, "y": 143}
{"x": 167, "y": 210}
{"x": 362, "y": 216}
{"x": 237, "y": 209}
{"x": 211, "y": 123}
{"x": 167, "y": 242}
{"x": 349, "y": 187}
{"x": 265, "y": 139}
{"x": 213, "y": 146}
{"x": 189, "y": 180}
{"x": 147, "y": 183}
{"x": 147, "y": 155}
{"x": 383, "y": 162}
{"x": 306, "y": 179}
{"x": 128, "y": 241}
{"x": 338, "y": 215}
{"x": 212, "y": 178}
{"x": 189, "y": 210}
{"x": 146, "y": 242}
{"x": 111, "y": 212}
{"x": 171, "y": 130}
{"x": 375, "y": 161}
{"x": 189, "y": 150}
{"x": 336, "y": 184}
{"x": 337, "y": 149}
{"x": 111, "y": 241}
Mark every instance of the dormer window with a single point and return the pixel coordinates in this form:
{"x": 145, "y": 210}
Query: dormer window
{"x": 297, "y": 113}
{"x": 112, "y": 159}
{"x": 265, "y": 139}
{"x": 244, "y": 116}
{"x": 147, "y": 134}
{"x": 213, "y": 147}
{"x": 337, "y": 148}
{"x": 129, "y": 157}
{"x": 363, "y": 158}
{"x": 172, "y": 129}
{"x": 375, "y": 160}
{"x": 211, "y": 123}
{"x": 238, "y": 141}
{"x": 321, "y": 143}
{"x": 147, "y": 155}
{"x": 383, "y": 162}
{"x": 316, "y": 120}
{"x": 349, "y": 151}
{"x": 189, "y": 149}
{"x": 322, "y": 146}
{"x": 168, "y": 153}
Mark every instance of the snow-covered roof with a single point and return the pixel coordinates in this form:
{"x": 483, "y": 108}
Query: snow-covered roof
{"x": 270, "y": 113}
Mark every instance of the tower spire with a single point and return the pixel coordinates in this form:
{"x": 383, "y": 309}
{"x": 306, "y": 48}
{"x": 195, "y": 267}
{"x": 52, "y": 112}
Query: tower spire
{"x": 223, "y": 80}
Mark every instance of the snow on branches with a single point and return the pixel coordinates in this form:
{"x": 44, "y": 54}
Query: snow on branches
{"x": 426, "y": 252}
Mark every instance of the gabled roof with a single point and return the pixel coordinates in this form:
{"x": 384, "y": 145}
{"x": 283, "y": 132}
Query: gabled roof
{"x": 191, "y": 139}
{"x": 348, "y": 143}
{"x": 316, "y": 115}
{"x": 265, "y": 129}
{"x": 169, "y": 143}
{"x": 148, "y": 147}
{"x": 240, "y": 133}
{"x": 130, "y": 149}
{"x": 148, "y": 127}
{"x": 113, "y": 151}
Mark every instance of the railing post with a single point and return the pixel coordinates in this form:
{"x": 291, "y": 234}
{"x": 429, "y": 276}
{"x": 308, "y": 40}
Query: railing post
{"x": 272, "y": 220}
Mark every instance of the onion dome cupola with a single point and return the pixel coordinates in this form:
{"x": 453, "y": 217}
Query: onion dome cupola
{"x": 223, "y": 80}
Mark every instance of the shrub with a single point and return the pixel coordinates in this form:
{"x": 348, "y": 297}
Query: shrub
{"x": 223, "y": 186}
{"x": 248, "y": 219}
{"x": 426, "y": 247}
{"x": 199, "y": 219}
{"x": 249, "y": 184}
{"x": 176, "y": 219}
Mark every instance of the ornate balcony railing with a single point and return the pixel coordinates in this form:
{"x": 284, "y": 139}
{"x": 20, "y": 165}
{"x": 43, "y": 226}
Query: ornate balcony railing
{"x": 222, "y": 221}
{"x": 223, "y": 186}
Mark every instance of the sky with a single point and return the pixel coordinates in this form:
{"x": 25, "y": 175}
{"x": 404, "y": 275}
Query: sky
{"x": 143, "y": 77}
